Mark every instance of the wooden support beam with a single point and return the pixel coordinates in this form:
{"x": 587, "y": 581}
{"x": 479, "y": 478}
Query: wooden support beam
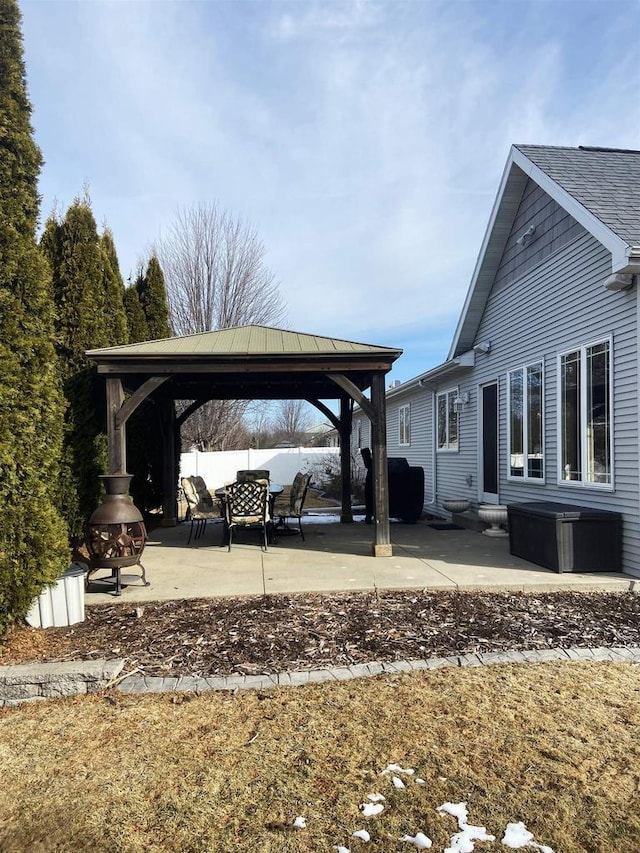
{"x": 346, "y": 409}
{"x": 354, "y": 392}
{"x": 169, "y": 473}
{"x": 138, "y": 396}
{"x": 186, "y": 414}
{"x": 116, "y": 435}
{"x": 382, "y": 541}
{"x": 326, "y": 411}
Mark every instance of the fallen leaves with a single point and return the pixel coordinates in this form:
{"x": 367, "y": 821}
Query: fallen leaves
{"x": 255, "y": 636}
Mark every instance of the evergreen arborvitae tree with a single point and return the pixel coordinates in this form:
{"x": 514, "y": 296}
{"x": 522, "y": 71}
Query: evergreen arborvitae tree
{"x": 78, "y": 287}
{"x": 136, "y": 321}
{"x": 153, "y": 298}
{"x": 144, "y": 436}
{"x": 78, "y": 259}
{"x": 117, "y": 328}
{"x": 33, "y": 540}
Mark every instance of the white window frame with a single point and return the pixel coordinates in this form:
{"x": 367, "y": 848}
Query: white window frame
{"x": 404, "y": 425}
{"x": 584, "y": 483}
{"x": 449, "y": 446}
{"x": 524, "y": 368}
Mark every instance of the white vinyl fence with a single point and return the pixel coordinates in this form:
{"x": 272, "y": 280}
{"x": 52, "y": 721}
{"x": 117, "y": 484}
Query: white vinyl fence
{"x": 220, "y": 468}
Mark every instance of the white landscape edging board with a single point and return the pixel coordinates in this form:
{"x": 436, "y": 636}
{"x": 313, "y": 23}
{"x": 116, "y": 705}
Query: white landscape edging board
{"x": 61, "y": 603}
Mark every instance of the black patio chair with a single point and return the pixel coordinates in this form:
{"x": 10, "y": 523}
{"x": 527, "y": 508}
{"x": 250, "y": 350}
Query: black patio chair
{"x": 252, "y": 474}
{"x": 297, "y": 498}
{"x": 200, "y": 505}
{"x": 247, "y": 506}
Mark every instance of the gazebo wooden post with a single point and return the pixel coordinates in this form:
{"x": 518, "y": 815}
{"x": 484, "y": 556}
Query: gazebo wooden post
{"x": 116, "y": 432}
{"x": 346, "y": 514}
{"x": 169, "y": 473}
{"x": 382, "y": 541}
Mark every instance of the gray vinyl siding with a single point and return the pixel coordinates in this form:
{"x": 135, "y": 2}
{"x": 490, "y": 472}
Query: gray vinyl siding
{"x": 359, "y": 418}
{"x": 419, "y": 452}
{"x": 559, "y": 305}
{"x": 554, "y": 229}
{"x": 457, "y": 469}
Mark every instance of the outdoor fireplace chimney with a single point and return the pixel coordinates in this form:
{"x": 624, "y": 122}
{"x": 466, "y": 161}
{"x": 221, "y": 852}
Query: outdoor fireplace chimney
{"x": 116, "y": 533}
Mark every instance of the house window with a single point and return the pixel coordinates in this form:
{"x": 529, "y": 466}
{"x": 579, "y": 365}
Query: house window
{"x": 359, "y": 434}
{"x": 447, "y": 421}
{"x": 585, "y": 415}
{"x": 526, "y": 423}
{"x": 404, "y": 421}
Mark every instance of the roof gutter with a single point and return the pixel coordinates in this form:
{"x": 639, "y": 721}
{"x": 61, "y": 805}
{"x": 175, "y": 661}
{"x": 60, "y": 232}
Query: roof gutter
{"x": 432, "y": 378}
{"x": 631, "y": 261}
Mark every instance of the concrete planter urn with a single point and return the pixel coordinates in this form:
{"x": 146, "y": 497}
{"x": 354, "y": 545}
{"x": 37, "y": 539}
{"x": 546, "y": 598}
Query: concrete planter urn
{"x": 494, "y": 515}
{"x": 455, "y": 505}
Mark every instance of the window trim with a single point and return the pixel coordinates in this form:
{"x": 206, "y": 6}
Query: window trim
{"x": 406, "y": 411}
{"x": 539, "y": 481}
{"x": 446, "y": 393}
{"x": 582, "y": 483}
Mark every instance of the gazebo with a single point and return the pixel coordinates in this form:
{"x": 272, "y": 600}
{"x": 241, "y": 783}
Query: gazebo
{"x": 251, "y": 363}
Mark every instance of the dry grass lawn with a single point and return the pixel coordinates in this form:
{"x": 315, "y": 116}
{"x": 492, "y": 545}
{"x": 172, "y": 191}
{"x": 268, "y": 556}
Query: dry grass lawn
{"x": 556, "y": 746}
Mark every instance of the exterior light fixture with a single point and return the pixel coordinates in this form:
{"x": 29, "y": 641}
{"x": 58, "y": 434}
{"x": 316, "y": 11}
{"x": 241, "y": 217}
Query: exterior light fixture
{"x": 483, "y": 347}
{"x": 460, "y": 401}
{"x": 527, "y": 237}
{"x": 619, "y": 281}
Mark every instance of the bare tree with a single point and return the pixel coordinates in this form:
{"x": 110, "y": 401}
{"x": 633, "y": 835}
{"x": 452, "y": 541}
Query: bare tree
{"x": 216, "y": 278}
{"x": 217, "y": 425}
{"x": 258, "y": 420}
{"x": 291, "y": 420}
{"x": 215, "y": 273}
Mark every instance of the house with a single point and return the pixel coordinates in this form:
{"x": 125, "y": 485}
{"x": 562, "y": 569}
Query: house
{"x": 538, "y": 398}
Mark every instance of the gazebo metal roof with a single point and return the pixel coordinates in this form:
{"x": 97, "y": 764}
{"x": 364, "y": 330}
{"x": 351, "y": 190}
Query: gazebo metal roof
{"x": 247, "y": 363}
{"x": 243, "y": 341}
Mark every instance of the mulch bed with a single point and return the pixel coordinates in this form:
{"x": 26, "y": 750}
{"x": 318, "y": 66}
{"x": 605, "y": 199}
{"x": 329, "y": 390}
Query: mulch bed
{"x": 275, "y": 633}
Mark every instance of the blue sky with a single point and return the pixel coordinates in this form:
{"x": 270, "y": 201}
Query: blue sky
{"x": 364, "y": 141}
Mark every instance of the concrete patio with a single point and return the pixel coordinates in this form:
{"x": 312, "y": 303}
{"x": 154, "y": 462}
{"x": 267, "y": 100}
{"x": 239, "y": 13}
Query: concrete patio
{"x": 336, "y": 557}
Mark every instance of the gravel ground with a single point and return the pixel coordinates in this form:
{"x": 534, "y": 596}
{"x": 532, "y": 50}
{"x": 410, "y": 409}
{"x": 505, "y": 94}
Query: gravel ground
{"x": 275, "y": 633}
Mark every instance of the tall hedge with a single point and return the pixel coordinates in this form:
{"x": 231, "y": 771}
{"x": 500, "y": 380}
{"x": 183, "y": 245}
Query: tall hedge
{"x": 144, "y": 429}
{"x": 117, "y": 328}
{"x": 88, "y": 294}
{"x": 33, "y": 540}
{"x": 153, "y": 299}
{"x": 136, "y": 321}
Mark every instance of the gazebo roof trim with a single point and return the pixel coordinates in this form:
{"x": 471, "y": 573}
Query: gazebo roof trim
{"x": 244, "y": 340}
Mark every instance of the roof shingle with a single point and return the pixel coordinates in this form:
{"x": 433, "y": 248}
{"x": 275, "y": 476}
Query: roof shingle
{"x": 606, "y": 181}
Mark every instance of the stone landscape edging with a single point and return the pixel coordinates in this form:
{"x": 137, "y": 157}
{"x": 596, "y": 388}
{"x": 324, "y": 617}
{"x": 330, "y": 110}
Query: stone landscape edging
{"x": 36, "y": 682}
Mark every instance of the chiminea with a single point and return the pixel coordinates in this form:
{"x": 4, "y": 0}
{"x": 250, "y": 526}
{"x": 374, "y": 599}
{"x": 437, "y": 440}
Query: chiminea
{"x": 116, "y": 533}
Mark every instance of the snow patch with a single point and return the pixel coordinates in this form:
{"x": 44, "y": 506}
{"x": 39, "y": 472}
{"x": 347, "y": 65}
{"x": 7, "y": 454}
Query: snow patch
{"x": 457, "y": 810}
{"x": 376, "y": 798}
{"x": 371, "y": 809}
{"x": 397, "y": 782}
{"x": 395, "y": 768}
{"x": 362, "y": 834}
{"x": 420, "y": 840}
{"x": 300, "y": 823}
{"x": 517, "y": 836}
{"x": 463, "y": 841}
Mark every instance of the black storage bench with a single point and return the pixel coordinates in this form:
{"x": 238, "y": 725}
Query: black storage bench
{"x": 566, "y": 537}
